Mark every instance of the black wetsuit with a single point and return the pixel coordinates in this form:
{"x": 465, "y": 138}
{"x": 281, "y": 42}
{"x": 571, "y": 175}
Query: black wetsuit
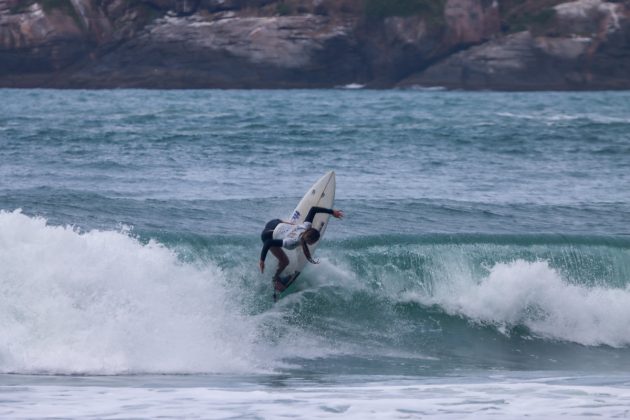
{"x": 267, "y": 234}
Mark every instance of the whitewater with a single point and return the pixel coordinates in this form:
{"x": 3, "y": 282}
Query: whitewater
{"x": 483, "y": 268}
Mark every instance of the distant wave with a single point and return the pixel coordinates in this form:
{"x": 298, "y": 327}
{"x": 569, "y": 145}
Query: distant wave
{"x": 551, "y": 117}
{"x": 426, "y": 88}
{"x": 352, "y": 86}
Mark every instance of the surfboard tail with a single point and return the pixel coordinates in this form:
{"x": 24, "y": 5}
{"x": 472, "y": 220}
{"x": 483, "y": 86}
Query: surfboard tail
{"x": 285, "y": 282}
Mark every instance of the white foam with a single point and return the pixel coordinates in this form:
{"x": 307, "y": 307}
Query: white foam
{"x": 331, "y": 273}
{"x": 537, "y": 296}
{"x": 102, "y": 302}
{"x": 479, "y": 400}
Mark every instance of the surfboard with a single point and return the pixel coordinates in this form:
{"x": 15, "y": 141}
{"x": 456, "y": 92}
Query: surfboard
{"x": 321, "y": 194}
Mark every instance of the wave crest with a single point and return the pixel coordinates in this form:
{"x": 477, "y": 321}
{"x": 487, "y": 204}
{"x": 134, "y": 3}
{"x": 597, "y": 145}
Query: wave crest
{"x": 534, "y": 295}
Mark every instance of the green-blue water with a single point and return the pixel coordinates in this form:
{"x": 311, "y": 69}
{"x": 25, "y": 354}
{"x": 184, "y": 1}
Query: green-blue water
{"x": 485, "y": 234}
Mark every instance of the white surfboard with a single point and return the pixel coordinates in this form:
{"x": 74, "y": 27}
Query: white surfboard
{"x": 321, "y": 194}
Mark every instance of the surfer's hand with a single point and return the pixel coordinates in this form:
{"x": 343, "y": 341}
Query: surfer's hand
{"x": 338, "y": 214}
{"x": 261, "y": 264}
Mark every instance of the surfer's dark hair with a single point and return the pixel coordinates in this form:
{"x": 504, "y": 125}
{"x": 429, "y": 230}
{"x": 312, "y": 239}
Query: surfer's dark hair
{"x": 309, "y": 235}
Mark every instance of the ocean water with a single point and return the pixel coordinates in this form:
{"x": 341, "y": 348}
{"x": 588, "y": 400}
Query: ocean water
{"x": 482, "y": 269}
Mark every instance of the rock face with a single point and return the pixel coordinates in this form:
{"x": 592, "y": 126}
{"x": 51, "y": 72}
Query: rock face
{"x": 470, "y": 22}
{"x": 585, "y": 47}
{"x": 464, "y": 44}
{"x": 34, "y": 40}
{"x": 226, "y": 51}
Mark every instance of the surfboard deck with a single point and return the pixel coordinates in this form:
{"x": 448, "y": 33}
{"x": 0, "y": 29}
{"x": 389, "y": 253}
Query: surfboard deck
{"x": 321, "y": 194}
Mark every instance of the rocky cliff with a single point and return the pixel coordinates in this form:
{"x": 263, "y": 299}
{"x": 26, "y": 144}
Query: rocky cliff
{"x": 470, "y": 44}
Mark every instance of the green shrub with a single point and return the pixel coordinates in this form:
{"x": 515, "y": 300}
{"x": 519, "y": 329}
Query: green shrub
{"x": 384, "y": 8}
{"x": 63, "y": 5}
{"x": 22, "y": 6}
{"x": 283, "y": 9}
{"x": 533, "y": 22}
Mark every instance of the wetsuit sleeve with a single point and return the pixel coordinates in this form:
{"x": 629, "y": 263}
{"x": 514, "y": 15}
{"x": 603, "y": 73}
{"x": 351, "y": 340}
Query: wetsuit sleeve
{"x": 268, "y": 244}
{"x": 314, "y": 210}
{"x": 290, "y": 243}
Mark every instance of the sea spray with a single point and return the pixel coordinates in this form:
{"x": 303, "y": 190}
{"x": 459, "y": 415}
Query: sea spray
{"x": 102, "y": 302}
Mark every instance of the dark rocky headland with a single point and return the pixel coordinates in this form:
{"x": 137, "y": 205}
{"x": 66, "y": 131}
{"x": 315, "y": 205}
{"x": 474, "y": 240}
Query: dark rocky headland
{"x": 460, "y": 44}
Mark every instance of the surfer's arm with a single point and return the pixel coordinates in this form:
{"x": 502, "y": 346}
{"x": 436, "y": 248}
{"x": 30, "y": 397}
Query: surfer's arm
{"x": 314, "y": 210}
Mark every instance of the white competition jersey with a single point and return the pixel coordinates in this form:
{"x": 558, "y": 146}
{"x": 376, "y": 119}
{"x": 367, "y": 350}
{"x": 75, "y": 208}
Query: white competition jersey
{"x": 290, "y": 233}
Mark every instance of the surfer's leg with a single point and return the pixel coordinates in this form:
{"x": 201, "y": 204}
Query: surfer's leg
{"x": 283, "y": 262}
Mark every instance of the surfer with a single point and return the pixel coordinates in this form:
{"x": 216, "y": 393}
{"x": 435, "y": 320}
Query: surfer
{"x": 278, "y": 234}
